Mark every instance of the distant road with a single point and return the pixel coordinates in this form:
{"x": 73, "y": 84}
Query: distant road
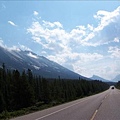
{"x": 103, "y": 106}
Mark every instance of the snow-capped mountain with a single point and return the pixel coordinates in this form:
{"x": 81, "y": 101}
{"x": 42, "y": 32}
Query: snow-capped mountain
{"x": 23, "y": 60}
{"x": 95, "y": 77}
{"x": 117, "y": 78}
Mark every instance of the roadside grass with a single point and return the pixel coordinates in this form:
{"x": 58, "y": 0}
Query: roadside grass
{"x": 5, "y": 115}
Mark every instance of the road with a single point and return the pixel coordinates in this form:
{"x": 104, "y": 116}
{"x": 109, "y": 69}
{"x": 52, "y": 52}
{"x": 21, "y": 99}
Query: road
{"x": 103, "y": 106}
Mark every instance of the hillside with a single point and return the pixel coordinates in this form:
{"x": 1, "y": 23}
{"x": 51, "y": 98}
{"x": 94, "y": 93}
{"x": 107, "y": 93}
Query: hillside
{"x": 23, "y": 60}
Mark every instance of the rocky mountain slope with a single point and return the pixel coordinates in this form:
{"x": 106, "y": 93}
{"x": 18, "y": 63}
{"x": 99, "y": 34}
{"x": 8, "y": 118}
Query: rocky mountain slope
{"x": 23, "y": 60}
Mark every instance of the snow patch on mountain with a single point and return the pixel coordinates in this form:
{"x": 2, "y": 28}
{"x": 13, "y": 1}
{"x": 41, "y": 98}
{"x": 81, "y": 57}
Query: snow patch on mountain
{"x": 39, "y": 65}
{"x": 31, "y": 55}
{"x": 36, "y": 67}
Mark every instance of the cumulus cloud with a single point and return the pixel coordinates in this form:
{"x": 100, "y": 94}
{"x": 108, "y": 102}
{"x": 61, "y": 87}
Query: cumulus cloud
{"x": 52, "y": 39}
{"x": 106, "y": 18}
{"x": 115, "y": 51}
{"x": 24, "y": 48}
{"x": 46, "y": 33}
{"x": 81, "y": 57}
{"x": 52, "y": 25}
{"x": 107, "y": 29}
{"x": 18, "y": 48}
{"x": 12, "y": 23}
{"x": 66, "y": 47}
{"x": 13, "y": 48}
{"x": 116, "y": 40}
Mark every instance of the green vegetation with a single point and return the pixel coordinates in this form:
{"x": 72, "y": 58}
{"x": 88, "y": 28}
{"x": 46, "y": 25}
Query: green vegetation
{"x": 22, "y": 93}
{"x": 117, "y": 85}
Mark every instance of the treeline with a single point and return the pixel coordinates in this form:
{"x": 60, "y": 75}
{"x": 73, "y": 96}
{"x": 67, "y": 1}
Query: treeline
{"x": 117, "y": 85}
{"x": 21, "y": 90}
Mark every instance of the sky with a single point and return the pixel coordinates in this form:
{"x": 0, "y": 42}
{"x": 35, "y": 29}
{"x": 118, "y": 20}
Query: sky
{"x": 83, "y": 36}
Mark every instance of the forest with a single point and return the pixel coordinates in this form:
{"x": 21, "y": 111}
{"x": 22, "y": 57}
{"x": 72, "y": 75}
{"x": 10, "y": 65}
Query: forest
{"x": 23, "y": 89}
{"x": 117, "y": 85}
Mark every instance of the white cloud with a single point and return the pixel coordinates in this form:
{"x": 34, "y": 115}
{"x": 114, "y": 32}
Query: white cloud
{"x": 76, "y": 60}
{"x": 90, "y": 27}
{"x": 107, "y": 22}
{"x": 65, "y": 47}
{"x": 52, "y": 25}
{"x": 77, "y": 34}
{"x": 86, "y": 64}
{"x": 105, "y": 68}
{"x": 106, "y": 18}
{"x": 57, "y": 58}
{"x": 52, "y": 36}
{"x": 48, "y": 33}
{"x": 116, "y": 40}
{"x": 49, "y": 38}
{"x": 13, "y": 48}
{"x": 24, "y": 48}
{"x": 18, "y": 48}
{"x": 12, "y": 23}
{"x": 2, "y": 44}
{"x": 35, "y": 13}
{"x": 115, "y": 51}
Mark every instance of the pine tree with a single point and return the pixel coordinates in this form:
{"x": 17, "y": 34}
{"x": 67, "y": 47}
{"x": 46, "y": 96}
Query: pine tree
{"x": 2, "y": 103}
{"x": 46, "y": 95}
{"x": 23, "y": 92}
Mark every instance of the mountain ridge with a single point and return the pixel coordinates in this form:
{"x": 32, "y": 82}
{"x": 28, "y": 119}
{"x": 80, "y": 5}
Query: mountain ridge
{"x": 117, "y": 78}
{"x": 95, "y": 77}
{"x": 40, "y": 65}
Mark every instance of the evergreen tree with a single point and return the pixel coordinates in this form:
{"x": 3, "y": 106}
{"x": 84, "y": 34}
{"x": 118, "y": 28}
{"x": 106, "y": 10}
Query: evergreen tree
{"x": 2, "y": 103}
{"x": 23, "y": 90}
{"x": 46, "y": 95}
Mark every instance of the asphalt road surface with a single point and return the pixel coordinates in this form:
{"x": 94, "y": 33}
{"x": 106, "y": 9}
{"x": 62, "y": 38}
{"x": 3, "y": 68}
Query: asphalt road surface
{"x": 103, "y": 106}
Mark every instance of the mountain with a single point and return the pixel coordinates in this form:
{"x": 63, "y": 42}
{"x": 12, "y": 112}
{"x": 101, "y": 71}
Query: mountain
{"x": 24, "y": 60}
{"x": 117, "y": 78}
{"x": 95, "y": 77}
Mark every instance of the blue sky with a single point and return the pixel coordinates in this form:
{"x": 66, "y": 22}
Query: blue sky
{"x": 83, "y": 36}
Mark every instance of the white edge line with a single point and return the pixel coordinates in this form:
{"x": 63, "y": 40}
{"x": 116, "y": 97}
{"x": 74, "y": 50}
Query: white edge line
{"x": 94, "y": 115}
{"x": 59, "y": 110}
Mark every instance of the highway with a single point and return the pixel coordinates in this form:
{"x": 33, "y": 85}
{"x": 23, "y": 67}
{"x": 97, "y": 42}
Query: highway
{"x": 103, "y": 106}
